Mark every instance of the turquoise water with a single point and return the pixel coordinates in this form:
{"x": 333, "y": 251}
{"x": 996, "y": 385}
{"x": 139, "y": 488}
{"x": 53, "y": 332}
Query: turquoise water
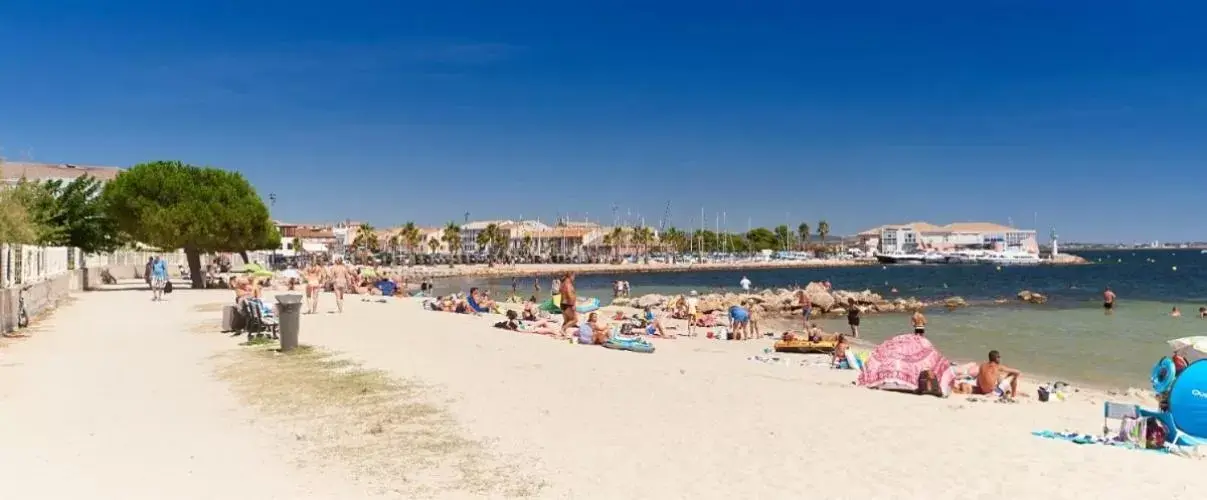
{"x": 1070, "y": 337}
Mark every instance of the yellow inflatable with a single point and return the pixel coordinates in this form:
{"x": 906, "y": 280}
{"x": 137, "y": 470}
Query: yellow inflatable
{"x": 806, "y": 347}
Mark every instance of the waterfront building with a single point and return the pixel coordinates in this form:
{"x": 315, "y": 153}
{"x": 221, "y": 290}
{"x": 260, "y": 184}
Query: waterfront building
{"x": 924, "y": 236}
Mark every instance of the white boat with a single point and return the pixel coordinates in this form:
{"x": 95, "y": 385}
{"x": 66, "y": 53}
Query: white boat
{"x": 900, "y": 258}
{"x": 1012, "y": 258}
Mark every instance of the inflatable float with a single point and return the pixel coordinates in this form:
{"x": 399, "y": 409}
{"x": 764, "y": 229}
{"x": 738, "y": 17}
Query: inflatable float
{"x": 627, "y": 344}
{"x": 584, "y": 305}
{"x": 806, "y": 347}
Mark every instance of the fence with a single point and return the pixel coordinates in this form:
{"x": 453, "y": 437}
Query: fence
{"x": 136, "y": 258}
{"x": 27, "y": 264}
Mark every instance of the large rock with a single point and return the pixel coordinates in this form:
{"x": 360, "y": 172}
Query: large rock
{"x": 820, "y": 296}
{"x": 621, "y": 301}
{"x": 650, "y": 300}
{"x": 954, "y": 302}
{"x": 1031, "y": 297}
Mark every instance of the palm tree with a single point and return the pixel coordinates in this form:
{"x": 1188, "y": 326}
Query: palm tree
{"x": 365, "y": 240}
{"x": 803, "y": 231}
{"x": 493, "y": 239}
{"x": 297, "y": 247}
{"x": 618, "y": 237}
{"x": 782, "y": 234}
{"x": 642, "y": 237}
{"x": 434, "y": 245}
{"x": 823, "y": 230}
{"x": 410, "y": 237}
{"x": 452, "y": 238}
{"x": 526, "y": 244}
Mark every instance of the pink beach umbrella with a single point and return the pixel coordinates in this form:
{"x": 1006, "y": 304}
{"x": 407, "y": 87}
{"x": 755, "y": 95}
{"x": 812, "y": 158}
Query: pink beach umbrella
{"x": 897, "y": 363}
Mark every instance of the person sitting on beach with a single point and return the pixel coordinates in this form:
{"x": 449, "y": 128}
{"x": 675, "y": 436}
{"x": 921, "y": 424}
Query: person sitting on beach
{"x": 598, "y": 330}
{"x": 529, "y": 312}
{"x": 512, "y": 323}
{"x": 918, "y": 321}
{"x": 992, "y": 378}
{"x": 653, "y": 325}
{"x": 839, "y": 359}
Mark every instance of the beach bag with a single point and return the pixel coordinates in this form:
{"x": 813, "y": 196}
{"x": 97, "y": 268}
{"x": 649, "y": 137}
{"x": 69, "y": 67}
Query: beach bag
{"x": 167, "y": 287}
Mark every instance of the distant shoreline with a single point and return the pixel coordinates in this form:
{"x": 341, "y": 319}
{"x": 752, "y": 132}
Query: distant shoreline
{"x": 534, "y": 270}
{"x": 531, "y": 270}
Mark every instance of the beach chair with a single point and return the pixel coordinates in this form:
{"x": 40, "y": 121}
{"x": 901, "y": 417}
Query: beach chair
{"x": 1117, "y": 411}
{"x": 256, "y": 320}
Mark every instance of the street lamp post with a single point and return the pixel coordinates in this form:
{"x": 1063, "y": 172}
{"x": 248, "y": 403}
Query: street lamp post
{"x": 272, "y": 203}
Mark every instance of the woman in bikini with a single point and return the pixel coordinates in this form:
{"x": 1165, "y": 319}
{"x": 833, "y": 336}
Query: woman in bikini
{"x": 313, "y": 275}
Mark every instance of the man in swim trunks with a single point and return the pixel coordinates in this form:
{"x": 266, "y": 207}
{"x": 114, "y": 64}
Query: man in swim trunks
{"x": 1108, "y": 299}
{"x": 992, "y": 376}
{"x": 693, "y": 312}
{"x": 569, "y": 299}
{"x": 806, "y": 305}
{"x": 341, "y": 277}
{"x": 918, "y": 321}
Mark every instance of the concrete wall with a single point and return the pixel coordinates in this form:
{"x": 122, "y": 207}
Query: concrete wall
{"x": 40, "y": 296}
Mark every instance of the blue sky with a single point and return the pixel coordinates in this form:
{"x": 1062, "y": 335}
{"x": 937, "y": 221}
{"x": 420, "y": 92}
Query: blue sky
{"x": 1090, "y": 116}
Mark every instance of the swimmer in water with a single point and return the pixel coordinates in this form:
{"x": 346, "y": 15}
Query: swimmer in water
{"x": 1108, "y": 300}
{"x": 1175, "y": 313}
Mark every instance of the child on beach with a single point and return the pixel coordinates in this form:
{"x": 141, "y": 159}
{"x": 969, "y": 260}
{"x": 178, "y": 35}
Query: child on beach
{"x": 693, "y": 304}
{"x": 752, "y": 329}
{"x": 840, "y": 352}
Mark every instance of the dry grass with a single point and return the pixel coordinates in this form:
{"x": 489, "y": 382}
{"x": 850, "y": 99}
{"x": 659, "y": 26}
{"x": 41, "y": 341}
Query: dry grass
{"x": 381, "y": 429}
{"x": 208, "y": 326}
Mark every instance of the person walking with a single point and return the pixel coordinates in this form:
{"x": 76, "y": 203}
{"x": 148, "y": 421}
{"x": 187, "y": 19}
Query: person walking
{"x": 159, "y": 277}
{"x": 146, "y": 275}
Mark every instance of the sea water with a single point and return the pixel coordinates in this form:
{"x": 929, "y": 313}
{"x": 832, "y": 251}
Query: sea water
{"x": 1071, "y": 337}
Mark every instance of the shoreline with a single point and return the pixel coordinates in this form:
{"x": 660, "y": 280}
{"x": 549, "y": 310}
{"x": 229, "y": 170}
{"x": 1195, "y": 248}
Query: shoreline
{"x": 541, "y": 270}
{"x": 534, "y": 270}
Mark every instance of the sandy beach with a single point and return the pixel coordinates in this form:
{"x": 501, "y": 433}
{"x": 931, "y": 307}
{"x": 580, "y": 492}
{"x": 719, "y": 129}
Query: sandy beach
{"x": 141, "y": 400}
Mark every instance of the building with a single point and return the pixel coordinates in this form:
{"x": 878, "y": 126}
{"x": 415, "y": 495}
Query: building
{"x": 11, "y": 172}
{"x": 924, "y": 236}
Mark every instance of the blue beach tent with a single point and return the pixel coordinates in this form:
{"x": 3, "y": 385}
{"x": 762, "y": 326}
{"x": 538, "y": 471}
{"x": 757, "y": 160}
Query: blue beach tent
{"x": 1186, "y": 420}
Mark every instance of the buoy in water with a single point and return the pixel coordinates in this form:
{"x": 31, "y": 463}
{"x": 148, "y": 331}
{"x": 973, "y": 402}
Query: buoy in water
{"x": 1175, "y": 268}
{"x": 883, "y": 267}
{"x": 999, "y": 268}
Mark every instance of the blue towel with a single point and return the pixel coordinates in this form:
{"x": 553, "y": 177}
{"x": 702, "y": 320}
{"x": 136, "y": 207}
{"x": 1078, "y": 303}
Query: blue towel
{"x": 1076, "y": 438}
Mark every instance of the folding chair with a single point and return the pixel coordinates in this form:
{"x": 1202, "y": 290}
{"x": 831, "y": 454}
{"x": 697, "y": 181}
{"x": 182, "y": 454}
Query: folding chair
{"x": 1118, "y": 411}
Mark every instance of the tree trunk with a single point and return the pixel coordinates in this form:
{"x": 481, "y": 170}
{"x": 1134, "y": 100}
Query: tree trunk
{"x": 243, "y": 255}
{"x": 196, "y": 273}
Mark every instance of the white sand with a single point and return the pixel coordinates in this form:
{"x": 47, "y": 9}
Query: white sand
{"x": 95, "y": 400}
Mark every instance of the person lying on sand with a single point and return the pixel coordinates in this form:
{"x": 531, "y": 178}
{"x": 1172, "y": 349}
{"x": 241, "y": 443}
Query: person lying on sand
{"x": 992, "y": 378}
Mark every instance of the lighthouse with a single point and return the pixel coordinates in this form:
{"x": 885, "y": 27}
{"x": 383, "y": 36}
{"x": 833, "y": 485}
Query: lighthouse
{"x": 1055, "y": 250}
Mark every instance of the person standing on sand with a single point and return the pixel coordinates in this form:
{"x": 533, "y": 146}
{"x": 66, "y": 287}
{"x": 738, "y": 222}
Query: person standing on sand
{"x": 146, "y": 275}
{"x": 806, "y": 305}
{"x": 159, "y": 277}
{"x": 853, "y": 312}
{"x": 1108, "y": 300}
{"x": 341, "y": 276}
{"x": 693, "y": 312}
{"x": 313, "y": 276}
{"x": 569, "y": 300}
{"x": 918, "y": 321}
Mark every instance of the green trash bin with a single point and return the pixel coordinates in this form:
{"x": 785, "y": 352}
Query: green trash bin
{"x": 290, "y": 309}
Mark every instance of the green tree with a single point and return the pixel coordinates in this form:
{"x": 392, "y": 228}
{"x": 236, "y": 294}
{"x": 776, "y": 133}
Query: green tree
{"x": 782, "y": 236}
{"x": 803, "y": 231}
{"x": 823, "y": 230}
{"x": 452, "y": 238}
{"x": 434, "y": 244}
{"x": 761, "y": 238}
{"x": 411, "y": 237}
{"x": 16, "y": 223}
{"x": 170, "y": 205}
